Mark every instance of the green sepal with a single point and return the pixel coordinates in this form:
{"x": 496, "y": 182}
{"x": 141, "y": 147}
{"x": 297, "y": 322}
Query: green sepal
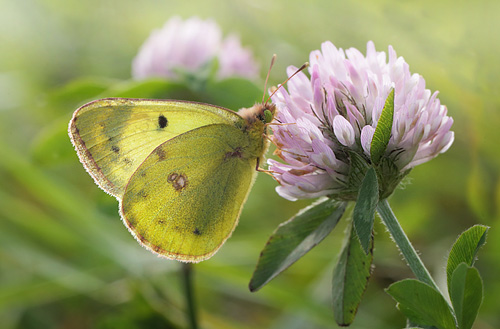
{"x": 422, "y": 304}
{"x": 294, "y": 238}
{"x": 358, "y": 166}
{"x": 383, "y": 130}
{"x": 350, "y": 279}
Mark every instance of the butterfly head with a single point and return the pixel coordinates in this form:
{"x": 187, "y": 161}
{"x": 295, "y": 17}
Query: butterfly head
{"x": 264, "y": 112}
{"x": 259, "y": 114}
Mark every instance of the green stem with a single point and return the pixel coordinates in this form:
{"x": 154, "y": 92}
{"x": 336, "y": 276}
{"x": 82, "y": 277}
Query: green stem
{"x": 187, "y": 275}
{"x": 404, "y": 245}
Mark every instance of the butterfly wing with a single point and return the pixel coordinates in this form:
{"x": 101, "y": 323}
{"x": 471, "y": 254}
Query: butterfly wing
{"x": 114, "y": 136}
{"x": 184, "y": 200}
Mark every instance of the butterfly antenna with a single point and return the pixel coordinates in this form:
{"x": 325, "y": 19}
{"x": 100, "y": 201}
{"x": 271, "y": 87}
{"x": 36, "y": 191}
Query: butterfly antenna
{"x": 306, "y": 64}
{"x": 267, "y": 77}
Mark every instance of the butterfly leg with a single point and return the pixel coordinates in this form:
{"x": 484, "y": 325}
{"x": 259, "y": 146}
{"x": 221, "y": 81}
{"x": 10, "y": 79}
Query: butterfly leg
{"x": 269, "y": 172}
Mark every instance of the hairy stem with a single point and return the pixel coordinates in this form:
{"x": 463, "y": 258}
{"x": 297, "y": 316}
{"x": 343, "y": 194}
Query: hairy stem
{"x": 404, "y": 245}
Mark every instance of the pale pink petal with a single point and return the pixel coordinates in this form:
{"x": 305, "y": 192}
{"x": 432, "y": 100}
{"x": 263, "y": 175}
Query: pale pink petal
{"x": 343, "y": 131}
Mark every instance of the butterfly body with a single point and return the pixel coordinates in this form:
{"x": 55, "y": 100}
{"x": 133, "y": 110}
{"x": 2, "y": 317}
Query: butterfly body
{"x": 181, "y": 171}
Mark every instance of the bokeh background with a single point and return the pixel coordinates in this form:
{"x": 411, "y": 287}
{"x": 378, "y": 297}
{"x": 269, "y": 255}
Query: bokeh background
{"x": 66, "y": 260}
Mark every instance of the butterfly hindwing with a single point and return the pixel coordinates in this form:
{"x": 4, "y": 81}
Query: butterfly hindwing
{"x": 114, "y": 136}
{"x": 184, "y": 200}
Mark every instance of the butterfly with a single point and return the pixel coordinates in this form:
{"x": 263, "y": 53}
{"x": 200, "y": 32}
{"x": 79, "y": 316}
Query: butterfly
{"x": 181, "y": 171}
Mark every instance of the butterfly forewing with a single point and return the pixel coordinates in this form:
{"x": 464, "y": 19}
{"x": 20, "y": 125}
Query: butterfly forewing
{"x": 114, "y": 136}
{"x": 184, "y": 200}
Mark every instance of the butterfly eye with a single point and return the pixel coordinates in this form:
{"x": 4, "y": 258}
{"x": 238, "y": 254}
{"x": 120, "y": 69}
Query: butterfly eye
{"x": 268, "y": 116}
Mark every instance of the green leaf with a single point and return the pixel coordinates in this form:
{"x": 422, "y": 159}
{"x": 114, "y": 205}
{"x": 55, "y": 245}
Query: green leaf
{"x": 52, "y": 146}
{"x": 383, "y": 131}
{"x": 77, "y": 90}
{"x": 350, "y": 279}
{"x": 233, "y": 93}
{"x": 364, "y": 211}
{"x": 466, "y": 293}
{"x": 464, "y": 250}
{"x": 294, "y": 238}
{"x": 151, "y": 88}
{"x": 422, "y": 304}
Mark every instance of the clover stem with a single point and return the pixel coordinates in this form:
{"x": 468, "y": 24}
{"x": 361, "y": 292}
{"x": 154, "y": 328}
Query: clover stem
{"x": 404, "y": 245}
{"x": 187, "y": 275}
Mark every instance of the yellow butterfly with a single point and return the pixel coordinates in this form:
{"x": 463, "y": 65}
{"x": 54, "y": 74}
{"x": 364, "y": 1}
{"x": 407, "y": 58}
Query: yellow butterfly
{"x": 181, "y": 171}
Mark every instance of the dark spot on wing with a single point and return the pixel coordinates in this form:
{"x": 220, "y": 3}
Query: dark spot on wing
{"x": 234, "y": 154}
{"x": 162, "y": 155}
{"x": 172, "y": 177}
{"x": 115, "y": 148}
{"x": 196, "y": 231}
{"x": 162, "y": 121}
{"x": 161, "y": 221}
{"x": 127, "y": 161}
{"x": 178, "y": 181}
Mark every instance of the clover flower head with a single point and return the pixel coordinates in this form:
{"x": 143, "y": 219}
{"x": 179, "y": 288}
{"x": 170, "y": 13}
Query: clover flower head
{"x": 190, "y": 46}
{"x": 326, "y": 123}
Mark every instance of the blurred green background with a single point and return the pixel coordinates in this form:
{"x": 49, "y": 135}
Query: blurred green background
{"x": 66, "y": 260}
